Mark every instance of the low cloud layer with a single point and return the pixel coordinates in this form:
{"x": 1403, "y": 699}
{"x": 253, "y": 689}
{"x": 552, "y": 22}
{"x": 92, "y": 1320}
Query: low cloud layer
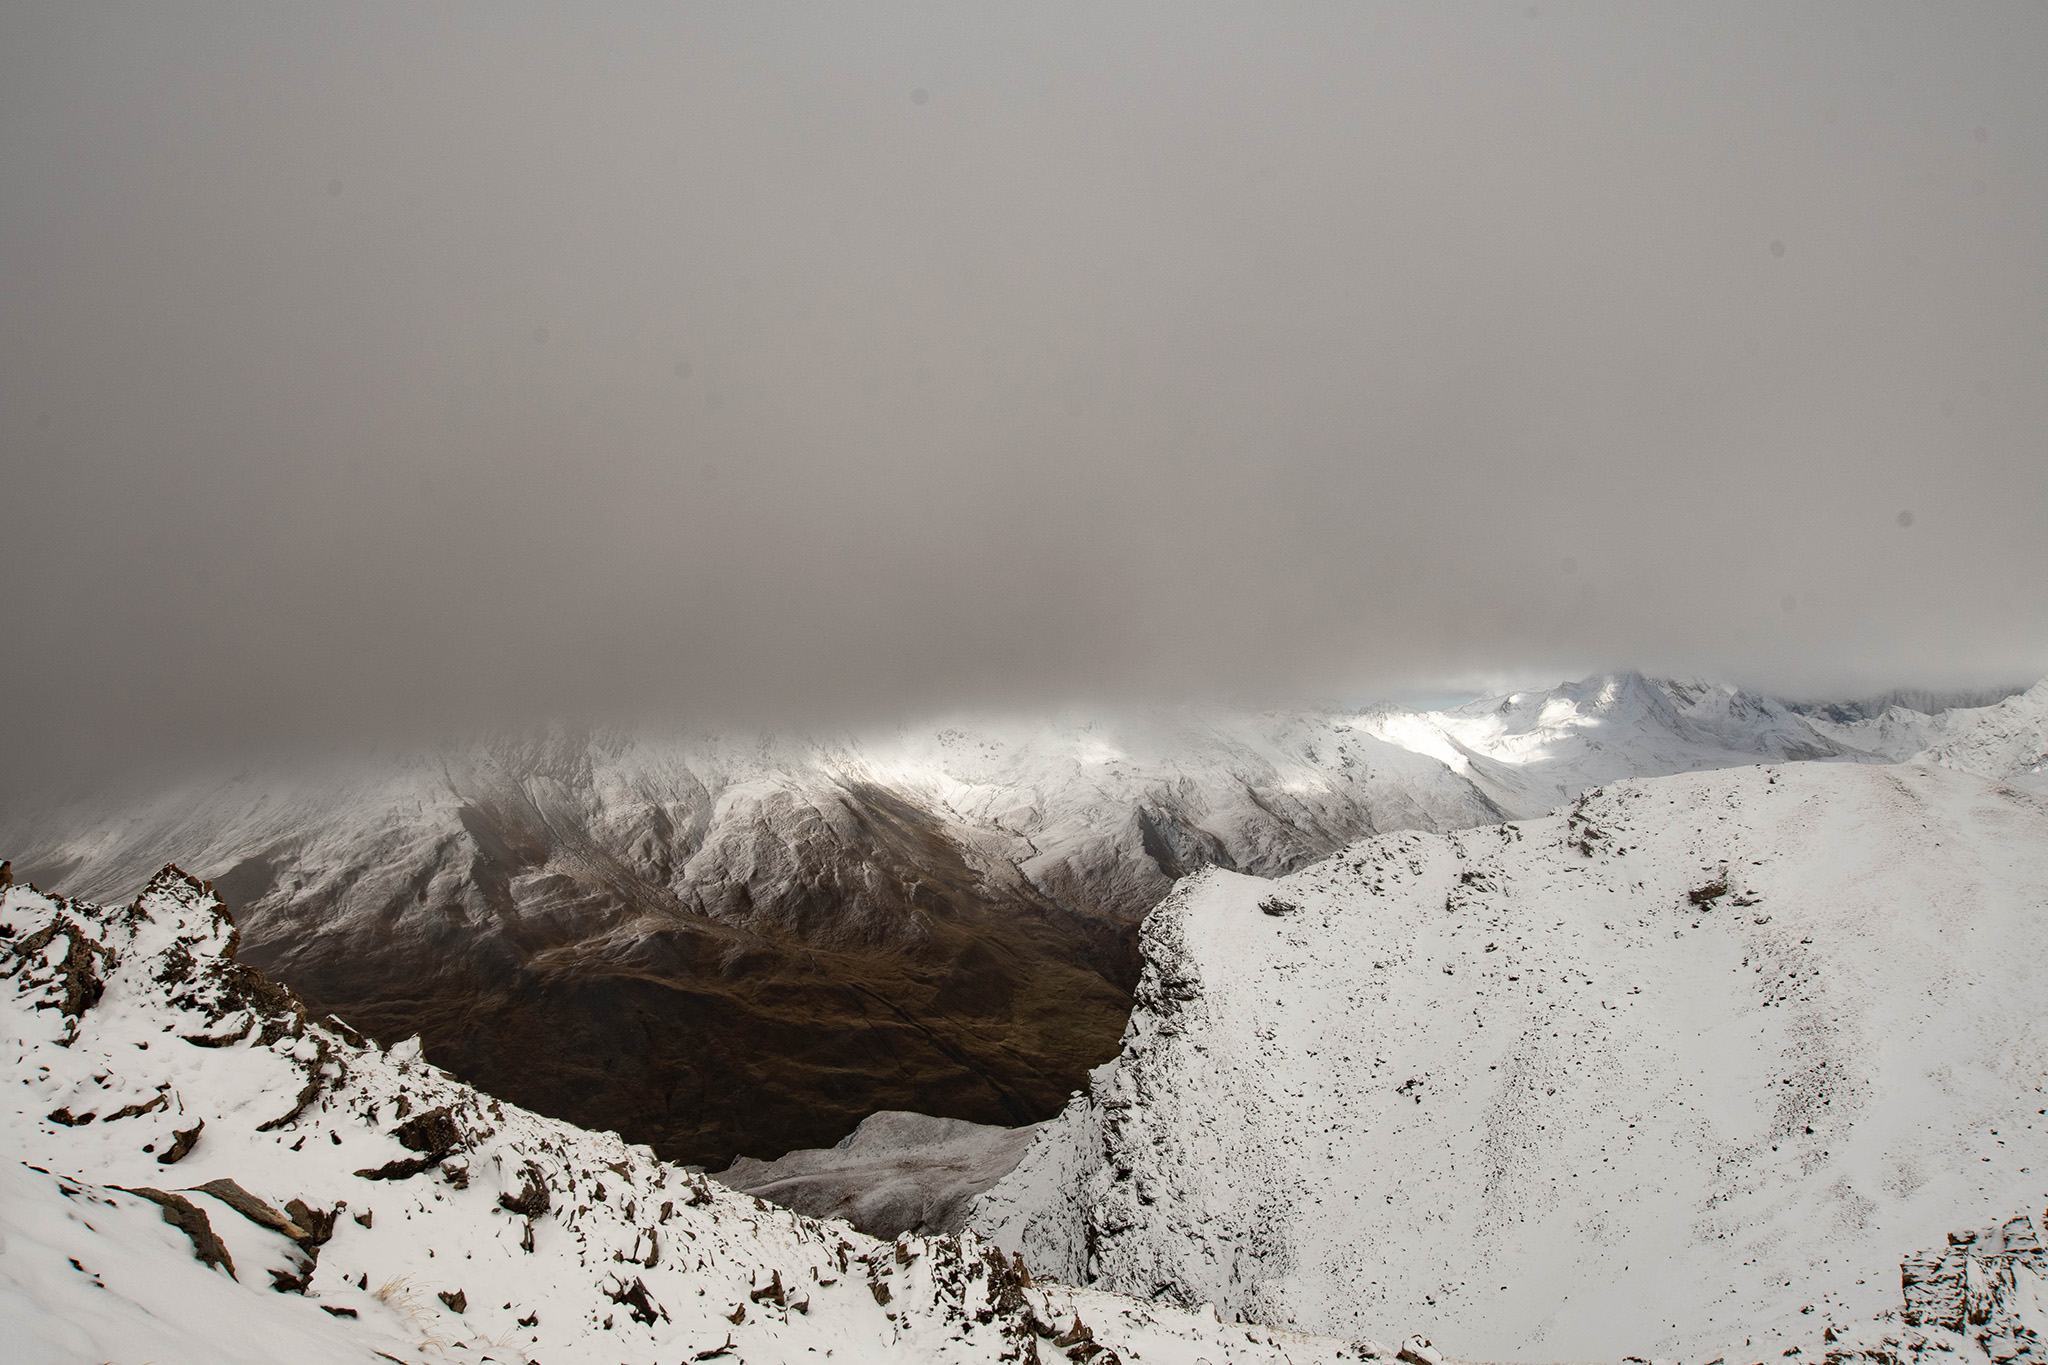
{"x": 367, "y": 370}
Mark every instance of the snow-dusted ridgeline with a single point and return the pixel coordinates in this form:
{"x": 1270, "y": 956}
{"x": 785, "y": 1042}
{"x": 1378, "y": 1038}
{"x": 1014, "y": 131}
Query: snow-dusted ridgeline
{"x": 2007, "y": 739}
{"x": 1653, "y": 1076}
{"x": 1532, "y": 751}
{"x": 726, "y": 945}
{"x": 198, "y": 1172}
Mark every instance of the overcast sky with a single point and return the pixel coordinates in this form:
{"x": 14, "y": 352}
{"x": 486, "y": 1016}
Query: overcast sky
{"x": 372, "y": 367}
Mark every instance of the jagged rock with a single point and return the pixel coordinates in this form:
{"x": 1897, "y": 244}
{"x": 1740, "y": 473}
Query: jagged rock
{"x": 457, "y": 1300}
{"x": 307, "y": 1093}
{"x": 1418, "y": 1351}
{"x": 433, "y": 1132}
{"x": 403, "y": 1169}
{"x": 129, "y": 1111}
{"x": 317, "y": 1223}
{"x": 532, "y": 1200}
{"x": 190, "y": 1219}
{"x": 633, "y": 1297}
{"x": 250, "y": 1207}
{"x": 771, "y": 1291}
{"x": 1977, "y": 1280}
{"x": 182, "y": 1141}
{"x": 76, "y": 976}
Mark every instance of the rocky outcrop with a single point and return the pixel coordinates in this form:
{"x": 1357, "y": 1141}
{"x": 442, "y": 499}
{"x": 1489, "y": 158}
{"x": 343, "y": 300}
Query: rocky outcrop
{"x": 1990, "y": 1282}
{"x": 1983, "y": 1296}
{"x": 182, "y": 1214}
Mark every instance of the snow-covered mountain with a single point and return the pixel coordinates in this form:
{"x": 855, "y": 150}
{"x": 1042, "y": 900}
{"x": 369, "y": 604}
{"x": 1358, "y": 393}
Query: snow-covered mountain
{"x": 1674, "y": 1071}
{"x": 2008, "y": 739}
{"x": 198, "y": 1171}
{"x": 730, "y": 945}
{"x": 1531, "y": 752}
{"x": 725, "y": 946}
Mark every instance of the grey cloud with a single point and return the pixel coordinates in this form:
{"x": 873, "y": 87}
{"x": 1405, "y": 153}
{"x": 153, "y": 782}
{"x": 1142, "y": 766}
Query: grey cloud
{"x": 367, "y": 370}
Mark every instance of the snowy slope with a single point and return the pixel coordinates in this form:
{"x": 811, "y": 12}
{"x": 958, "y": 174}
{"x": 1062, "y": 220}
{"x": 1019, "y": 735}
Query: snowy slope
{"x": 1652, "y": 1076}
{"x": 1531, "y": 752}
{"x": 2007, "y": 740}
{"x": 378, "y": 1208}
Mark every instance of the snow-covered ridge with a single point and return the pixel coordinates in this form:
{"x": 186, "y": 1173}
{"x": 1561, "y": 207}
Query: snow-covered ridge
{"x": 198, "y": 1171}
{"x": 1531, "y": 752}
{"x": 1656, "y": 1075}
{"x": 2008, "y": 739}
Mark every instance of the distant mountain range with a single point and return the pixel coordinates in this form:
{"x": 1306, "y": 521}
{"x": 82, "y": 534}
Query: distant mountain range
{"x": 727, "y": 945}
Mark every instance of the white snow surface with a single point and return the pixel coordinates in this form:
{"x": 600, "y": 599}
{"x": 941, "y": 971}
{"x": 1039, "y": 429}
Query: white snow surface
{"x": 90, "y": 1273}
{"x": 2008, "y": 739}
{"x": 1531, "y": 752}
{"x": 1655, "y": 1076}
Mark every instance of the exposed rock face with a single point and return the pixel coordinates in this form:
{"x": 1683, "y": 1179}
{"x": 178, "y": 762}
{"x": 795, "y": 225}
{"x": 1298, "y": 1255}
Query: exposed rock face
{"x": 182, "y": 1214}
{"x": 895, "y": 1173}
{"x": 1983, "y": 1297}
{"x": 1989, "y": 1278}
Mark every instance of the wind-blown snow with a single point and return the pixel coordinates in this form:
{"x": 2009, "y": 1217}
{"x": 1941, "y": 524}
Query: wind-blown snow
{"x": 422, "y": 1220}
{"x": 1652, "y": 1076}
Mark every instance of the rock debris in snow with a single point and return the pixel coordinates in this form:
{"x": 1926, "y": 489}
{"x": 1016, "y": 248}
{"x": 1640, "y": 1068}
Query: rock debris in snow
{"x": 519, "y": 1239}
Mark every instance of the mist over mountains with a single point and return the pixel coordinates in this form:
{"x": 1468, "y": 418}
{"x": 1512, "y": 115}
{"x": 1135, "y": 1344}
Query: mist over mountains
{"x": 729, "y": 945}
{"x": 1685, "y": 1064}
{"x": 723, "y": 683}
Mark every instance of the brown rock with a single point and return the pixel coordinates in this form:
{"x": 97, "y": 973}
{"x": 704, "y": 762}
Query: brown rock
{"x": 318, "y": 1223}
{"x": 181, "y": 1144}
{"x": 189, "y": 1218}
{"x": 532, "y": 1199}
{"x": 250, "y": 1207}
{"x": 433, "y": 1132}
